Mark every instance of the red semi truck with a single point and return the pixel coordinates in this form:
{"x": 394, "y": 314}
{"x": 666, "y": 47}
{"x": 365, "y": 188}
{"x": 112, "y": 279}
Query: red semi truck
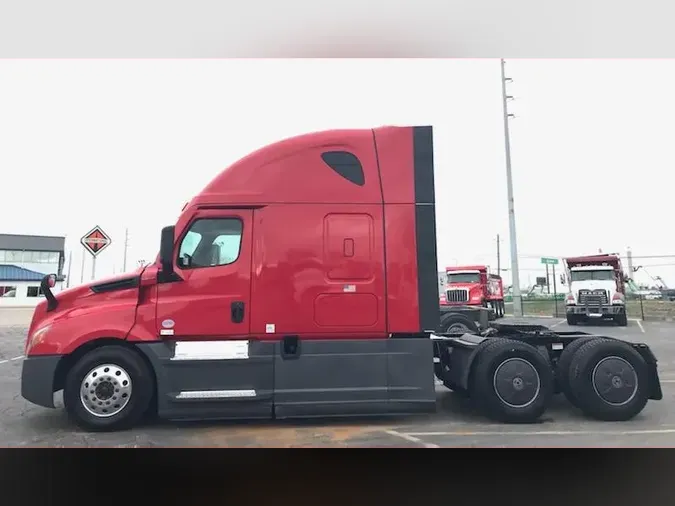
{"x": 474, "y": 285}
{"x": 302, "y": 282}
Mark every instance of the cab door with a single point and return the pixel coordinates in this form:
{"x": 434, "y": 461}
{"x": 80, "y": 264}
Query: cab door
{"x": 211, "y": 300}
{"x": 207, "y": 366}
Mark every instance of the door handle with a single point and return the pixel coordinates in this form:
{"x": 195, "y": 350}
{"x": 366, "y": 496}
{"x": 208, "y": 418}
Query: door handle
{"x": 237, "y": 311}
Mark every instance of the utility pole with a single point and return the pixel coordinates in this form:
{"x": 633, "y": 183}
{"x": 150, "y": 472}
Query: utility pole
{"x": 70, "y": 264}
{"x": 84, "y": 254}
{"x": 517, "y": 299}
{"x": 499, "y": 259}
{"x": 126, "y": 246}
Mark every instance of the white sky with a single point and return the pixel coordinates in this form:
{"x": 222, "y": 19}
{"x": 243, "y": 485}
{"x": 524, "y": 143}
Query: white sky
{"x": 127, "y": 143}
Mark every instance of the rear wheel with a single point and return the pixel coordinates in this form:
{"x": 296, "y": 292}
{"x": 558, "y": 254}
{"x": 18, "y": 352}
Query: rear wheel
{"x": 512, "y": 382}
{"x": 609, "y": 380}
{"x": 562, "y": 369}
{"x": 109, "y": 388}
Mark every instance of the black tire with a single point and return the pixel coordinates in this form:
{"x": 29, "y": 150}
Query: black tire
{"x": 618, "y": 371}
{"x": 502, "y": 309}
{"x": 621, "y": 319}
{"x": 457, "y": 323}
{"x": 572, "y": 319}
{"x": 141, "y": 385}
{"x": 457, "y": 390}
{"x": 562, "y": 369}
{"x": 525, "y": 360}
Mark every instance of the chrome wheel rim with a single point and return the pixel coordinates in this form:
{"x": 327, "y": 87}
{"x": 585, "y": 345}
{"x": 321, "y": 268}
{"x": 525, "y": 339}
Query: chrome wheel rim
{"x": 105, "y": 390}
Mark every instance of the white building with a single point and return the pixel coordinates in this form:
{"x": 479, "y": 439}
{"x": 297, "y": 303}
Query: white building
{"x": 24, "y": 261}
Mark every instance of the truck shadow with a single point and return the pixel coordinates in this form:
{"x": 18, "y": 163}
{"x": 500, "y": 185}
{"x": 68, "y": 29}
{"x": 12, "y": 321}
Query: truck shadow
{"x": 53, "y": 428}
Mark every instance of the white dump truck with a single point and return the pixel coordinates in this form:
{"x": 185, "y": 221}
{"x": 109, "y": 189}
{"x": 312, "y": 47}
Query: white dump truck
{"x": 597, "y": 290}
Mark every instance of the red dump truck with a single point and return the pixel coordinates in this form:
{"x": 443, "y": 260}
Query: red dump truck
{"x": 474, "y": 285}
{"x": 302, "y": 282}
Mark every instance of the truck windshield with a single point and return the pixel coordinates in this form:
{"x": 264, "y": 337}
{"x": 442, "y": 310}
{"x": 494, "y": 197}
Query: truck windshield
{"x": 592, "y": 275}
{"x": 465, "y": 277}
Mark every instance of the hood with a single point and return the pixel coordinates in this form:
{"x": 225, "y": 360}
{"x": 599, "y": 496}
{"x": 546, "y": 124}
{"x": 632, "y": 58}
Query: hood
{"x": 465, "y": 286}
{"x": 88, "y": 295}
{"x": 594, "y": 285}
{"x": 106, "y": 284}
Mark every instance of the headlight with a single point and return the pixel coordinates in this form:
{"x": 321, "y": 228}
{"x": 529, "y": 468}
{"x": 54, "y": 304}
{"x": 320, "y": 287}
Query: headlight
{"x": 618, "y": 298}
{"x": 37, "y": 337}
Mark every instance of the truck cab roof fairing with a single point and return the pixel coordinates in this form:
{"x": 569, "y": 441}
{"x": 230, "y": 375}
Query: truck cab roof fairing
{"x": 282, "y": 172}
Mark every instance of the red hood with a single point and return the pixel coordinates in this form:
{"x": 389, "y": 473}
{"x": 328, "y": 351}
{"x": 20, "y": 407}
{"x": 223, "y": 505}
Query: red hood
{"x": 468, "y": 286}
{"x": 71, "y": 293}
{"x": 70, "y": 298}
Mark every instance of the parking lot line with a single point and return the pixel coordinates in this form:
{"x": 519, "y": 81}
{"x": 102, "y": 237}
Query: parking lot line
{"x": 639, "y": 323}
{"x": 417, "y": 435}
{"x": 10, "y": 359}
{"x": 410, "y": 438}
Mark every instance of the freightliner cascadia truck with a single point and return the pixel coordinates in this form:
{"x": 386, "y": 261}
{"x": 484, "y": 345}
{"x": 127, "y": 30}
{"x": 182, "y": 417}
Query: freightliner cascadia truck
{"x": 302, "y": 282}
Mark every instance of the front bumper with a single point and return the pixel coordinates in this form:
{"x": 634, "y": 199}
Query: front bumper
{"x": 37, "y": 379}
{"x": 596, "y": 311}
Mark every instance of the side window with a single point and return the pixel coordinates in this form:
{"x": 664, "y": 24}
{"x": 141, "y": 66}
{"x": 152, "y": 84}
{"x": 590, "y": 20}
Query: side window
{"x": 34, "y": 291}
{"x": 210, "y": 242}
{"x": 345, "y": 164}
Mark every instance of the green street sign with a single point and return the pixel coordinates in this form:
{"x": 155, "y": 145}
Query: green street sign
{"x": 549, "y": 261}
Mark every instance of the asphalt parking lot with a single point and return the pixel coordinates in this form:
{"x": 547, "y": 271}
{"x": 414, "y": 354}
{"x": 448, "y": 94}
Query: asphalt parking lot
{"x": 455, "y": 424}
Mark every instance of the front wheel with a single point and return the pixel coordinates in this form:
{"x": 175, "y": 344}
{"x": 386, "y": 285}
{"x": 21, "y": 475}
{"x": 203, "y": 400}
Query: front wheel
{"x": 571, "y": 319}
{"x": 110, "y": 388}
{"x": 621, "y": 319}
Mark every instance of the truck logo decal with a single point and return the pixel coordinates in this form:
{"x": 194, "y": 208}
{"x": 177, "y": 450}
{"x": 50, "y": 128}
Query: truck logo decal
{"x": 270, "y": 328}
{"x": 349, "y": 288}
{"x": 168, "y": 324}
